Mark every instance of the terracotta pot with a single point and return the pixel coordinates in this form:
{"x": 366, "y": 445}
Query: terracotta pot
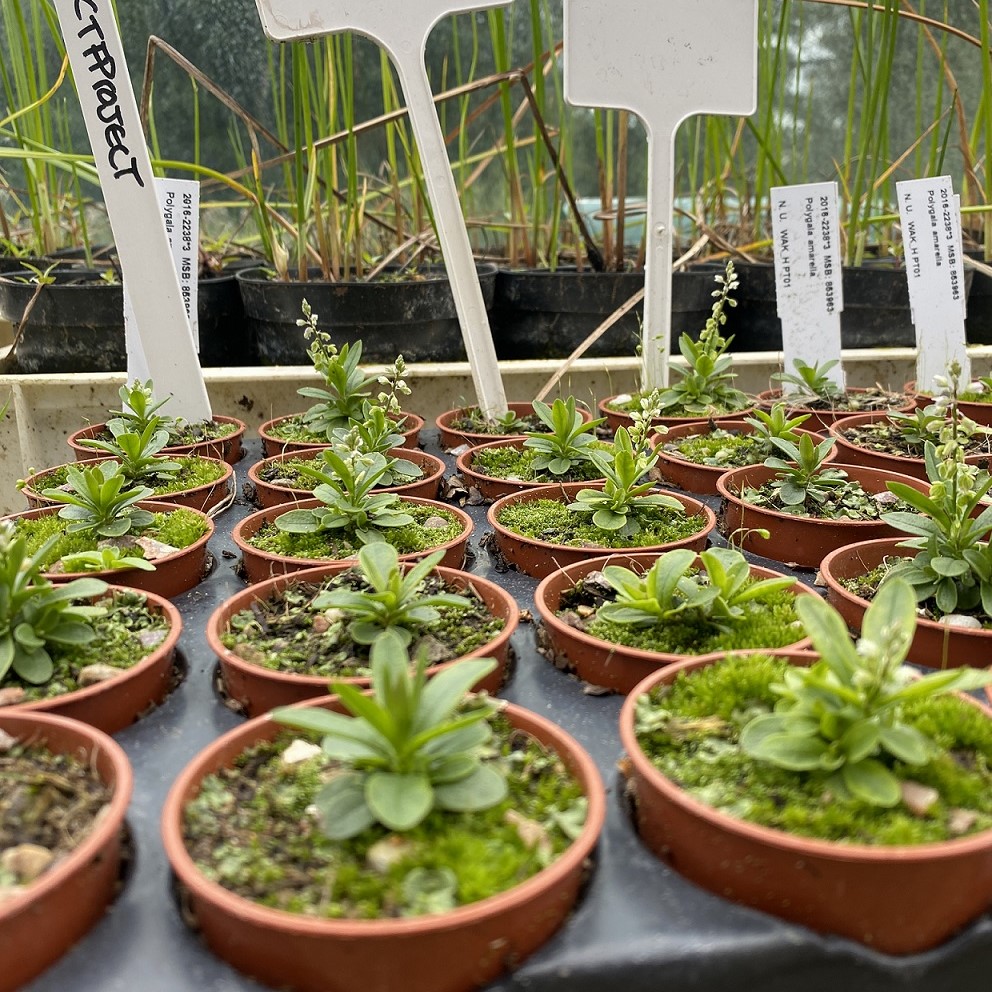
{"x": 449, "y": 952}
{"x": 691, "y": 476}
{"x": 616, "y": 418}
{"x": 491, "y": 487}
{"x": 227, "y": 448}
{"x": 603, "y": 663}
{"x": 174, "y": 573}
{"x": 426, "y": 487}
{"x": 820, "y": 420}
{"x": 857, "y": 455}
{"x": 115, "y": 704}
{"x": 259, "y": 689}
{"x": 204, "y": 497}
{"x": 273, "y": 445}
{"x": 797, "y": 540}
{"x": 261, "y": 565}
{"x": 541, "y": 558}
{"x": 898, "y": 900}
{"x": 935, "y": 645}
{"x": 38, "y": 926}
{"x": 451, "y": 438}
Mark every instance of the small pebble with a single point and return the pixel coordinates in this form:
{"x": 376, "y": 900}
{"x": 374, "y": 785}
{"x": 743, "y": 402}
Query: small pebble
{"x": 300, "y": 751}
{"x": 918, "y": 798}
{"x": 960, "y": 821}
{"x": 6, "y": 741}
{"x": 962, "y": 621}
{"x": 26, "y": 861}
{"x": 12, "y": 696}
{"x": 94, "y": 674}
{"x": 383, "y": 854}
{"x": 436, "y": 523}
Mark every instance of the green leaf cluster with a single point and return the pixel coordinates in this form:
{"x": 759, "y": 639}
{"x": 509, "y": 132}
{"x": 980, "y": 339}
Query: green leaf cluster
{"x": 844, "y": 714}
{"x": 138, "y": 411}
{"x": 802, "y": 477}
{"x": 104, "y": 560}
{"x": 716, "y": 593}
{"x": 567, "y": 442}
{"x": 414, "y": 746}
{"x": 706, "y": 383}
{"x": 138, "y": 454}
{"x": 36, "y": 614}
{"x": 394, "y": 602}
{"x": 625, "y": 499}
{"x": 348, "y": 501}
{"x": 811, "y": 380}
{"x": 775, "y": 423}
{"x": 95, "y": 500}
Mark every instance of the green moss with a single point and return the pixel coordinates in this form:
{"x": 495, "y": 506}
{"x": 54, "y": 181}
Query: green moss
{"x": 772, "y": 623}
{"x": 194, "y": 472}
{"x": 692, "y": 738}
{"x": 179, "y": 528}
{"x": 634, "y": 403}
{"x": 128, "y": 633}
{"x": 249, "y": 830}
{"x": 551, "y": 520}
{"x": 516, "y": 464}
{"x": 342, "y": 544}
{"x": 726, "y": 449}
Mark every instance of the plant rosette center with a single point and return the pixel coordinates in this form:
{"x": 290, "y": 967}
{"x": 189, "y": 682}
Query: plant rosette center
{"x": 431, "y": 528}
{"x": 167, "y": 533}
{"x": 288, "y": 633}
{"x": 253, "y": 830}
{"x": 551, "y": 521}
{"x": 194, "y": 472}
{"x": 517, "y": 465}
{"x": 48, "y": 804}
{"x": 771, "y": 622}
{"x": 690, "y": 732}
{"x": 124, "y": 635}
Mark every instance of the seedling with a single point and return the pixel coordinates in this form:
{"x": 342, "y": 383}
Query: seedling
{"x": 569, "y": 439}
{"x": 97, "y": 501}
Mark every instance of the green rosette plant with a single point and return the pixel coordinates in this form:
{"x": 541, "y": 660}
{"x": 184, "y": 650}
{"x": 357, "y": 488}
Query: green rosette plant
{"x": 568, "y": 441}
{"x": 95, "y": 500}
{"x": 802, "y": 481}
{"x": 138, "y": 454}
{"x": 811, "y": 381}
{"x": 35, "y": 614}
{"x": 414, "y": 746}
{"x": 843, "y": 715}
{"x": 394, "y": 602}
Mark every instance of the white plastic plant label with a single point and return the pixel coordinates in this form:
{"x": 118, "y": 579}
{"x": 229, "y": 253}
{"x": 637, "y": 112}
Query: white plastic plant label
{"x": 664, "y": 61}
{"x": 930, "y": 215}
{"x": 109, "y": 110}
{"x": 179, "y": 200}
{"x": 808, "y": 278}
{"x": 402, "y": 28}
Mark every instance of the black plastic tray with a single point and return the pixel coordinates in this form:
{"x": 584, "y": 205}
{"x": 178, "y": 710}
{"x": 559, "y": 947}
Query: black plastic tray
{"x": 640, "y": 927}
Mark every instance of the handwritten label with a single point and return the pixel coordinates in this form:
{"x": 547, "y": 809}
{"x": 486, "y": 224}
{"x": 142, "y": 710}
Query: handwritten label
{"x": 808, "y": 277}
{"x": 110, "y": 112}
{"x": 930, "y": 214}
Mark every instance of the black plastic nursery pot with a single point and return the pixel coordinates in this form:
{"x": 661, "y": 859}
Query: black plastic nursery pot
{"x": 414, "y": 317}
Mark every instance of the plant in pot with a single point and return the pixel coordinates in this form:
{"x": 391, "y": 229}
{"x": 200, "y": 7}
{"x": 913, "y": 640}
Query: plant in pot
{"x": 346, "y": 514}
{"x": 293, "y": 475}
{"x": 612, "y": 621}
{"x": 539, "y": 530}
{"x": 562, "y": 452}
{"x": 694, "y": 456}
{"x": 116, "y": 532}
{"x": 795, "y": 509}
{"x": 61, "y": 860}
{"x": 705, "y": 388}
{"x": 220, "y": 438}
{"x": 897, "y": 441}
{"x": 401, "y": 809}
{"x": 187, "y": 480}
{"x": 810, "y": 390}
{"x": 280, "y": 642}
{"x": 946, "y": 558}
{"x": 81, "y": 649}
{"x": 837, "y": 791}
{"x": 344, "y": 398}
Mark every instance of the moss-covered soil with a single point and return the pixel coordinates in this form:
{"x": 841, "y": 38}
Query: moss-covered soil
{"x": 550, "y": 520}
{"x": 288, "y": 634}
{"x": 251, "y": 830}
{"x": 516, "y": 465}
{"x": 692, "y": 734}
{"x": 886, "y": 438}
{"x": 125, "y": 635}
{"x": 719, "y": 448}
{"x": 288, "y": 474}
{"x": 194, "y": 472}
